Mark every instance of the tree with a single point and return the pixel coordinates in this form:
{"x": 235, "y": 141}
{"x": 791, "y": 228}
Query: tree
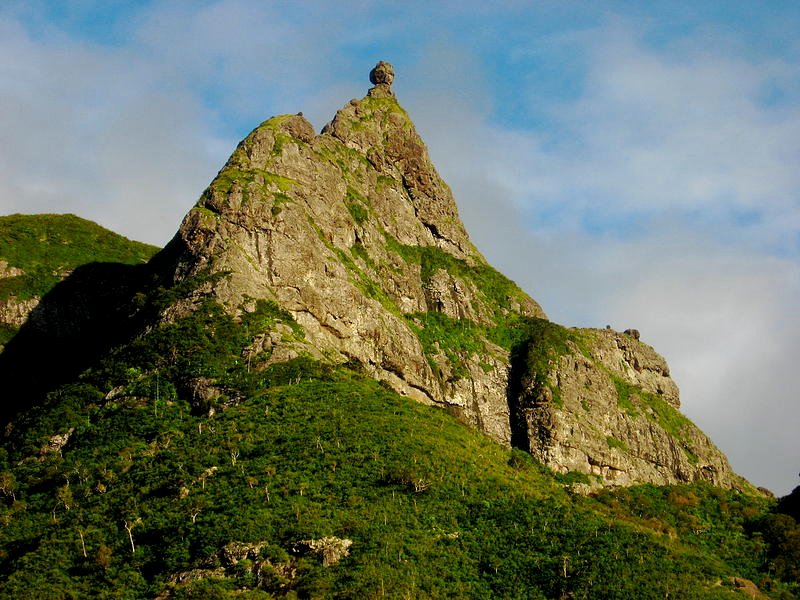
{"x": 7, "y": 485}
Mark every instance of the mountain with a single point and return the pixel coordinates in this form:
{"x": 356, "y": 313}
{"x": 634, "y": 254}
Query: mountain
{"x": 36, "y": 252}
{"x": 355, "y": 234}
{"x": 320, "y": 388}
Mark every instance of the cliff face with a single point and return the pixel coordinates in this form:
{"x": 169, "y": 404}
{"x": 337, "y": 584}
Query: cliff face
{"x": 601, "y": 402}
{"x": 354, "y": 232}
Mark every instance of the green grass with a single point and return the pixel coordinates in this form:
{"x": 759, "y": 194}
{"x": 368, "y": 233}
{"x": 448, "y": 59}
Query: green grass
{"x": 306, "y": 450}
{"x": 458, "y": 339}
{"x": 461, "y": 338}
{"x": 617, "y": 443}
{"x": 358, "y": 212}
{"x": 47, "y": 246}
{"x": 625, "y": 394}
{"x": 224, "y": 181}
{"x": 634, "y": 400}
{"x": 357, "y": 206}
{"x": 498, "y": 291}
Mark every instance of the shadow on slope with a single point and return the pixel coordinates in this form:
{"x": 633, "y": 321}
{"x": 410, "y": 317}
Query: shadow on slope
{"x": 80, "y": 319}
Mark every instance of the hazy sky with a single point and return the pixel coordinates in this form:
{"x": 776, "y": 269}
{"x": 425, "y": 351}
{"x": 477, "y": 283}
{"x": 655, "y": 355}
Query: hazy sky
{"x": 628, "y": 163}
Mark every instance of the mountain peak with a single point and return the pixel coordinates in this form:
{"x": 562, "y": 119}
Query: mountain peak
{"x": 355, "y": 234}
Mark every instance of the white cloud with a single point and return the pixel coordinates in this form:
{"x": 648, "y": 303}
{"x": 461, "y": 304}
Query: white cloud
{"x": 688, "y": 141}
{"x": 682, "y": 131}
{"x": 93, "y": 131}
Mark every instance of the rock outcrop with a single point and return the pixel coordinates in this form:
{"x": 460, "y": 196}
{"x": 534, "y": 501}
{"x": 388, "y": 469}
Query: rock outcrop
{"x": 13, "y": 311}
{"x": 355, "y": 234}
{"x": 600, "y": 402}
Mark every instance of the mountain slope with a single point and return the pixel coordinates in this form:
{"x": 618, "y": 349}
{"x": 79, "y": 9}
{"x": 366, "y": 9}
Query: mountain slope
{"x": 38, "y": 251}
{"x": 137, "y": 492}
{"x": 274, "y": 406}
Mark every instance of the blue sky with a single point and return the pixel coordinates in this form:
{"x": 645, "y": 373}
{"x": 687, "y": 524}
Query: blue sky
{"x": 628, "y": 163}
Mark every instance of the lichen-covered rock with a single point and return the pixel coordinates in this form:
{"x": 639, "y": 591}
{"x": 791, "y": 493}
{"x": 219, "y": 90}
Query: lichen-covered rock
{"x": 355, "y": 234}
{"x": 14, "y": 311}
{"x": 332, "y": 549}
{"x": 601, "y": 403}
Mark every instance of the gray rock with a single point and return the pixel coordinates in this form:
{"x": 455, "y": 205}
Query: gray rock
{"x": 382, "y": 73}
{"x": 354, "y": 233}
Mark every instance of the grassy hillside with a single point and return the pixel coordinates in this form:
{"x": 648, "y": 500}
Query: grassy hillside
{"x": 47, "y": 246}
{"x": 195, "y": 469}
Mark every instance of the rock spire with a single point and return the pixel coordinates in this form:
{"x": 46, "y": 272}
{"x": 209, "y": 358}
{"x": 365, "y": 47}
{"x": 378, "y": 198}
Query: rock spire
{"x": 353, "y": 232}
{"x": 382, "y": 74}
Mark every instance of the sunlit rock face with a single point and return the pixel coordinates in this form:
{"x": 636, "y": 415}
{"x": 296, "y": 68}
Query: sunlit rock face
{"x": 354, "y": 232}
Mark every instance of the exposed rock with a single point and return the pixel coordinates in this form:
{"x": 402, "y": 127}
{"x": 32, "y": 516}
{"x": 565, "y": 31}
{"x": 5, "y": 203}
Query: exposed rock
{"x": 355, "y": 234}
{"x": 234, "y": 552}
{"x": 605, "y": 406}
{"x": 192, "y": 575}
{"x": 766, "y": 491}
{"x": 635, "y": 362}
{"x": 203, "y": 394}
{"x": 15, "y": 312}
{"x": 7, "y": 270}
{"x": 747, "y": 587}
{"x": 634, "y": 333}
{"x": 331, "y": 549}
{"x": 382, "y": 73}
{"x": 56, "y": 442}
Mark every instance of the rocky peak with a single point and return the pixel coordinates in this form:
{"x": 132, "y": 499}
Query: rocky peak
{"x": 355, "y": 234}
{"x": 378, "y": 128}
{"x": 382, "y": 75}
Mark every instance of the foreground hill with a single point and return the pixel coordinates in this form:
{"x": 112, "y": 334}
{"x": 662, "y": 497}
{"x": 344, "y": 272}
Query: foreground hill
{"x": 319, "y": 482}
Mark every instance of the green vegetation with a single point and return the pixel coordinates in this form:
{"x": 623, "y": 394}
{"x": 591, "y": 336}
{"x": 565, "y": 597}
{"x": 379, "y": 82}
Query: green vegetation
{"x": 151, "y": 483}
{"x": 360, "y": 279}
{"x": 6, "y": 333}
{"x": 352, "y": 164}
{"x": 635, "y": 400}
{"x": 46, "y": 247}
{"x": 617, "y": 443}
{"x": 458, "y": 339}
{"x": 498, "y": 291}
{"x": 624, "y": 392}
{"x": 386, "y": 105}
{"x": 357, "y": 205}
{"x": 537, "y": 346}
{"x": 226, "y": 178}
